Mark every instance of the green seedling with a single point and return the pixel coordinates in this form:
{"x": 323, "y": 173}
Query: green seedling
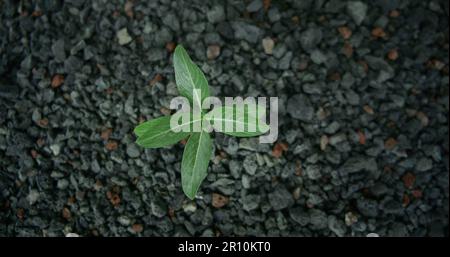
{"x": 158, "y": 132}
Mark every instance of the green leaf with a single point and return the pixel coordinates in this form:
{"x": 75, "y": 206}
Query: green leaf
{"x": 194, "y": 164}
{"x": 157, "y": 133}
{"x": 189, "y": 77}
{"x": 248, "y": 118}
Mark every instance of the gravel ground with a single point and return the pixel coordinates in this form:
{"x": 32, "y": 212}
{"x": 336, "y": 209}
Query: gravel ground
{"x": 364, "y": 98}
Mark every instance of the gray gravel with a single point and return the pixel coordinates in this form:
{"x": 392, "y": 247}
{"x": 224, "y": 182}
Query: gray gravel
{"x": 363, "y": 117}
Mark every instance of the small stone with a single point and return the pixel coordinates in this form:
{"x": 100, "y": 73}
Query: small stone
{"x": 43, "y": 123}
{"x": 78, "y": 47}
{"x": 33, "y": 196}
{"x": 393, "y": 207}
{"x": 368, "y": 109}
{"x": 72, "y": 235}
{"x": 171, "y": 20}
{"x": 225, "y": 30}
{"x": 101, "y": 84}
{"x": 157, "y": 78}
{"x": 364, "y": 65}
{"x": 190, "y": 207}
{"x": 158, "y": 208}
{"x": 318, "y": 219}
{"x": 357, "y": 10}
{"x": 390, "y": 143}
{"x": 137, "y": 228}
{"x": 106, "y": 133}
{"x": 133, "y": 151}
{"x": 285, "y": 62}
{"x": 393, "y": 55}
{"x": 311, "y": 38}
{"x": 56, "y": 149}
{"x": 423, "y": 118}
{"x": 128, "y": 8}
{"x": 352, "y": 97}
{"x": 268, "y": 45}
{"x": 350, "y": 218}
{"x": 113, "y": 197}
{"x": 417, "y": 193}
{"x": 406, "y": 200}
{"x": 279, "y": 51}
{"x": 359, "y": 163}
{"x": 165, "y": 111}
{"x": 394, "y": 14}
{"x": 297, "y": 193}
{"x": 255, "y": 6}
{"x": 250, "y": 202}
{"x": 247, "y": 32}
{"x": 266, "y": 4}
{"x": 274, "y": 14}
{"x": 318, "y": 57}
{"x": 313, "y": 172}
{"x": 95, "y": 166}
{"x": 88, "y": 53}
{"x": 347, "y": 50}
{"x": 338, "y": 138}
{"x": 367, "y": 207}
{"x": 335, "y": 76}
{"x": 8, "y": 91}
{"x": 300, "y": 107}
{"x": 250, "y": 164}
{"x": 437, "y": 65}
{"x": 123, "y": 36}
{"x": 299, "y": 215}
{"x": 378, "y": 32}
{"x": 303, "y": 65}
{"x": 66, "y": 213}
{"x": 34, "y": 153}
{"x": 379, "y": 189}
{"x": 124, "y": 220}
{"x": 27, "y": 63}
{"x": 332, "y": 128}
{"x": 424, "y": 164}
{"x": 337, "y": 226}
{"x": 246, "y": 180}
{"x": 280, "y": 198}
{"x": 48, "y": 95}
{"x": 348, "y": 80}
{"x": 345, "y": 32}
{"x": 170, "y": 47}
{"x": 59, "y": 51}
{"x": 312, "y": 88}
{"x": 278, "y": 149}
{"x": 322, "y": 114}
{"x": 218, "y": 200}
{"x": 111, "y": 145}
{"x": 72, "y": 64}
{"x": 295, "y": 19}
{"x": 57, "y": 80}
{"x": 148, "y": 28}
{"x": 323, "y": 142}
{"x": 62, "y": 184}
{"x": 235, "y": 168}
{"x": 216, "y": 14}
{"x": 213, "y": 52}
{"x": 408, "y": 180}
{"x": 377, "y": 63}
{"x": 361, "y": 138}
{"x": 298, "y": 168}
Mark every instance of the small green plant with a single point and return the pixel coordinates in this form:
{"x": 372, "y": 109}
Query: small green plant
{"x": 158, "y": 132}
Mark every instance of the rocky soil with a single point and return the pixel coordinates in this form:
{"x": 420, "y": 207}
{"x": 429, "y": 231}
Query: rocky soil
{"x": 363, "y": 90}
